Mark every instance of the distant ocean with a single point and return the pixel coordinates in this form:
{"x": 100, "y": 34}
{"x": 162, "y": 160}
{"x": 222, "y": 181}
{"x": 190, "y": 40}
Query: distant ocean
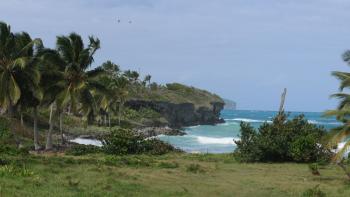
{"x": 219, "y": 138}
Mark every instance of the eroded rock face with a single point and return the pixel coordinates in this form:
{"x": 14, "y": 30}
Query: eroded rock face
{"x": 184, "y": 114}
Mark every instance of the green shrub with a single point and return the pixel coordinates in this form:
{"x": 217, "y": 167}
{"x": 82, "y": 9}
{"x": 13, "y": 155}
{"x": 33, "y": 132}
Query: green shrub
{"x": 80, "y": 149}
{"x": 157, "y": 147}
{"x": 247, "y": 148}
{"x": 314, "y": 192}
{"x": 124, "y": 141}
{"x": 282, "y": 140}
{"x": 195, "y": 168}
{"x": 169, "y": 165}
{"x": 5, "y": 135}
{"x": 11, "y": 150}
{"x": 314, "y": 169}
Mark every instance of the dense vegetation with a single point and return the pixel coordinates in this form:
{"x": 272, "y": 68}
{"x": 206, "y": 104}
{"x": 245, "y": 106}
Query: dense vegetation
{"x": 178, "y": 93}
{"x": 125, "y": 141}
{"x": 283, "y": 140}
{"x": 56, "y": 90}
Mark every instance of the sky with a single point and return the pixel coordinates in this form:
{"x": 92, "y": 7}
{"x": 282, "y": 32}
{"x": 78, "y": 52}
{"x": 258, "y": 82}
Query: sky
{"x": 243, "y": 50}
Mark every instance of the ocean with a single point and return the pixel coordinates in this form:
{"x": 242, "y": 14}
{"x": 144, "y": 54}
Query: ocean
{"x": 220, "y": 138}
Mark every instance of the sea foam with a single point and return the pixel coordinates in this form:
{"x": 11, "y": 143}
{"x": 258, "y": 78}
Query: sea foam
{"x": 323, "y": 123}
{"x": 248, "y": 120}
{"x": 87, "y": 141}
{"x": 212, "y": 140}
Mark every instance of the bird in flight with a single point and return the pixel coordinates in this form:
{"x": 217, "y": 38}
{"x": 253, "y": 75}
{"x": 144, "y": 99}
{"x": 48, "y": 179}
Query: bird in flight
{"x": 119, "y": 21}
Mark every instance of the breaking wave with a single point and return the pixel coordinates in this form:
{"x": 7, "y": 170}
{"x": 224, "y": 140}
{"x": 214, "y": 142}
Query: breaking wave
{"x": 323, "y": 123}
{"x": 212, "y": 140}
{"x": 247, "y": 120}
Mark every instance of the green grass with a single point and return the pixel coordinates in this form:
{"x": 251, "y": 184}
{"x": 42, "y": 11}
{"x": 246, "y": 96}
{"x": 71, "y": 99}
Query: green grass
{"x": 167, "y": 175}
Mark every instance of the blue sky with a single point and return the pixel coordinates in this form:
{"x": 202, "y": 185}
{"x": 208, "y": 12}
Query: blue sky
{"x": 244, "y": 50}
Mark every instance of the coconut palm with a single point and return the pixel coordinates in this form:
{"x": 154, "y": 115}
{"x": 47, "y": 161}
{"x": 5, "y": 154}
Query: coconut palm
{"x": 77, "y": 84}
{"x": 31, "y": 91}
{"x": 122, "y": 92}
{"x": 111, "y": 69}
{"x": 114, "y": 98}
{"x": 132, "y": 76}
{"x": 52, "y": 72}
{"x": 106, "y": 99}
{"x": 148, "y": 79}
{"x": 342, "y": 113}
{"x": 16, "y": 52}
{"x": 19, "y": 74}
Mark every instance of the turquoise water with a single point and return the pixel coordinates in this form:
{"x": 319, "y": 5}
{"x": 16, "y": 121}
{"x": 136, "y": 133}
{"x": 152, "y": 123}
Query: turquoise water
{"x": 219, "y": 138}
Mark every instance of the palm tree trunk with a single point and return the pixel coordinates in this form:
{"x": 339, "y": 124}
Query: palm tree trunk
{"x": 61, "y": 128}
{"x": 105, "y": 120}
{"x": 22, "y": 121}
{"x": 11, "y": 110}
{"x": 119, "y": 113}
{"x": 109, "y": 120}
{"x": 21, "y": 115}
{"x": 36, "y": 134}
{"x": 49, "y": 133}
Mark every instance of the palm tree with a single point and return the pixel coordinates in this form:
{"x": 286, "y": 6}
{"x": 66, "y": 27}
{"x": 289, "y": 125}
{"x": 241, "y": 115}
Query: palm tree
{"x": 106, "y": 100}
{"x": 148, "y": 79}
{"x": 19, "y": 75}
{"x": 16, "y": 52}
{"x": 52, "y": 71}
{"x": 113, "y": 99}
{"x": 78, "y": 82}
{"x": 342, "y": 113}
{"x": 111, "y": 69}
{"x": 122, "y": 85}
{"x": 31, "y": 92}
{"x": 132, "y": 76}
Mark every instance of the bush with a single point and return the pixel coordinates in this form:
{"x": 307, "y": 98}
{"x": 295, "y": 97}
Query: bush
{"x": 5, "y": 135}
{"x": 169, "y": 165}
{"x": 80, "y": 149}
{"x": 11, "y": 150}
{"x": 314, "y": 169}
{"x": 194, "y": 168}
{"x": 282, "y": 140}
{"x": 124, "y": 141}
{"x": 157, "y": 147}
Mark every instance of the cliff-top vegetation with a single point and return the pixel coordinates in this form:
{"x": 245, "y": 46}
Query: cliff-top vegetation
{"x": 177, "y": 93}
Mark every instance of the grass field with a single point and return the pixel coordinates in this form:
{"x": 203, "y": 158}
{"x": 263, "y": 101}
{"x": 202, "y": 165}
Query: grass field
{"x": 168, "y": 175}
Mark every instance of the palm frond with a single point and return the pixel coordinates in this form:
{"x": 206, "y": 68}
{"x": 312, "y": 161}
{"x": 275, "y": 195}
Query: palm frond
{"x": 341, "y": 153}
{"x": 95, "y": 72}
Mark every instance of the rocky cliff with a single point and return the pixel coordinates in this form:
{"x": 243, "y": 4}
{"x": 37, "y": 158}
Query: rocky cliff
{"x": 182, "y": 114}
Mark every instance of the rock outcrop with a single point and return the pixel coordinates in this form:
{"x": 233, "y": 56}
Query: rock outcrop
{"x": 183, "y": 114}
{"x": 155, "y": 131}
